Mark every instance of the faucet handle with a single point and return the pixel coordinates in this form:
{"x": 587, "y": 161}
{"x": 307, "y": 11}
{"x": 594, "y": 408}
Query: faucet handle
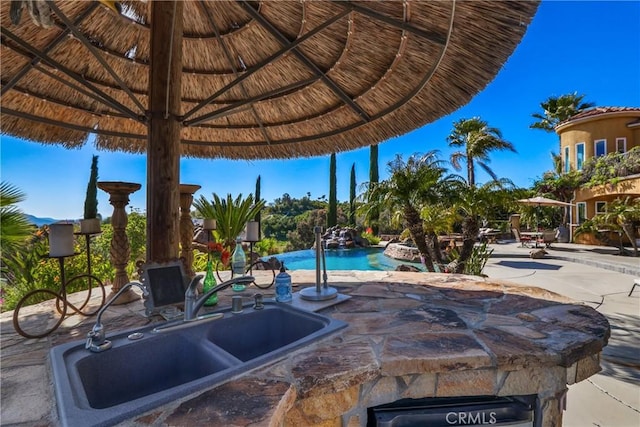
{"x": 258, "y": 305}
{"x": 96, "y": 341}
{"x": 89, "y": 343}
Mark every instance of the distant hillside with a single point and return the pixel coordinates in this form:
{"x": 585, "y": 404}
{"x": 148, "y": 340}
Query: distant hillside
{"x": 39, "y": 222}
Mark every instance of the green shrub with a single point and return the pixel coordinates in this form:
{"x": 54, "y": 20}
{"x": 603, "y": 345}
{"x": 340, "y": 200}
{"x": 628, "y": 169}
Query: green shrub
{"x": 374, "y": 240}
{"x": 610, "y": 168}
{"x": 479, "y": 257}
{"x": 269, "y": 246}
{"x": 30, "y": 269}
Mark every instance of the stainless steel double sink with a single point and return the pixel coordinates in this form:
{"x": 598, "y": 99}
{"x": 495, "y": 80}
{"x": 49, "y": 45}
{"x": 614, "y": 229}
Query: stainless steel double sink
{"x": 148, "y": 367}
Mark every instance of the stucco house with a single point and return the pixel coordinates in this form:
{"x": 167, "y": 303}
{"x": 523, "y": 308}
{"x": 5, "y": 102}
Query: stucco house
{"x": 593, "y": 133}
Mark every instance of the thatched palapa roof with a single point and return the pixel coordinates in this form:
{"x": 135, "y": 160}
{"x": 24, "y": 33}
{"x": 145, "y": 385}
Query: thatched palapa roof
{"x": 269, "y": 79}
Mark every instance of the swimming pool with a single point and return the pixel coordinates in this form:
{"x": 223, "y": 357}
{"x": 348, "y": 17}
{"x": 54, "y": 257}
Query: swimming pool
{"x": 342, "y": 259}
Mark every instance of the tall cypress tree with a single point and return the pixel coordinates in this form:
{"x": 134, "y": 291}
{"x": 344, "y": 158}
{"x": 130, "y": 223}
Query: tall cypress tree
{"x": 91, "y": 199}
{"x": 352, "y": 197}
{"x": 332, "y": 212}
{"x": 374, "y": 215}
{"x": 258, "y": 216}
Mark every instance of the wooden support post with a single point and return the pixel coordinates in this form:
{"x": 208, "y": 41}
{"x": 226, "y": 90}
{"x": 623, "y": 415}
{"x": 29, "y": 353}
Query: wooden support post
{"x": 163, "y": 145}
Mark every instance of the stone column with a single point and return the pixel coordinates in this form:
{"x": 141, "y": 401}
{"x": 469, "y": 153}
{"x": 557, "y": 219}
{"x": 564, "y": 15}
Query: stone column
{"x": 186, "y": 226}
{"x": 120, "y": 249}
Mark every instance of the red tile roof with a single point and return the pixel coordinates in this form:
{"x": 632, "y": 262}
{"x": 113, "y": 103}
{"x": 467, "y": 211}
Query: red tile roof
{"x": 602, "y": 110}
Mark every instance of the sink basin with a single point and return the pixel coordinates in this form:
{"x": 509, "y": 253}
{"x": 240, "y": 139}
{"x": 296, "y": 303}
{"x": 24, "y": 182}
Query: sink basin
{"x": 261, "y": 332}
{"x": 107, "y": 377}
{"x": 136, "y": 375}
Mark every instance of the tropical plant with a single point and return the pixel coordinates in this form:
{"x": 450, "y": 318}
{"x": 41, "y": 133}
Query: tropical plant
{"x": 556, "y": 110}
{"x": 473, "y": 203}
{"x": 91, "y": 199}
{"x": 437, "y": 219}
{"x": 20, "y": 269}
{"x": 622, "y": 215}
{"x": 477, "y": 261}
{"x": 478, "y": 139}
{"x": 231, "y": 214}
{"x": 558, "y": 186}
{"x": 332, "y": 212}
{"x": 411, "y": 185}
{"x": 15, "y": 229}
{"x": 352, "y": 196}
{"x": 373, "y": 240}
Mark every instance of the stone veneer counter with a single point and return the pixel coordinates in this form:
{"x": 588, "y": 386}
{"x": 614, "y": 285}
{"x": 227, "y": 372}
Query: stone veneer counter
{"x": 410, "y": 335}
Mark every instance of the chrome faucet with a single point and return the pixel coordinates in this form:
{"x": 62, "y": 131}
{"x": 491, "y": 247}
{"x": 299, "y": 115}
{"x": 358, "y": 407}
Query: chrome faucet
{"x": 192, "y": 305}
{"x": 96, "y": 340}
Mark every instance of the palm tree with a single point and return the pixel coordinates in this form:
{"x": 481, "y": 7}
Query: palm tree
{"x": 15, "y": 229}
{"x": 620, "y": 216}
{"x": 478, "y": 139}
{"x": 410, "y": 185}
{"x": 15, "y": 233}
{"x": 556, "y": 110}
{"x": 230, "y": 214}
{"x": 474, "y": 203}
{"x": 437, "y": 219}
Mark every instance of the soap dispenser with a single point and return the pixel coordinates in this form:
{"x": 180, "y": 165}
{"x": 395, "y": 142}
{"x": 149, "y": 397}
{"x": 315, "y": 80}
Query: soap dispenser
{"x": 283, "y": 286}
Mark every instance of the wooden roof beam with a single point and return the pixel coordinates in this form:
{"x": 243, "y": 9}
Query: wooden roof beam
{"x": 266, "y": 61}
{"x": 70, "y": 25}
{"x": 232, "y": 64}
{"x": 102, "y": 97}
{"x": 15, "y": 79}
{"x": 306, "y": 61}
{"x": 432, "y": 36}
{"x": 51, "y": 122}
{"x": 229, "y": 109}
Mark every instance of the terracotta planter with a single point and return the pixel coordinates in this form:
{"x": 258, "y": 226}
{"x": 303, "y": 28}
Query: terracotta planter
{"x": 90, "y": 226}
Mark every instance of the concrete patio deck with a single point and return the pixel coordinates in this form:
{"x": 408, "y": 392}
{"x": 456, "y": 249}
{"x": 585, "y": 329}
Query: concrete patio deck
{"x": 597, "y": 277}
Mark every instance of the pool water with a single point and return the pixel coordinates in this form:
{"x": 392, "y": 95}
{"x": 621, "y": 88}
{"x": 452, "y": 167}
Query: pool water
{"x": 342, "y": 259}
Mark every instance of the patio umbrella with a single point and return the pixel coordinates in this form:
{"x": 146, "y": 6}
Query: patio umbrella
{"x": 242, "y": 79}
{"x": 542, "y": 201}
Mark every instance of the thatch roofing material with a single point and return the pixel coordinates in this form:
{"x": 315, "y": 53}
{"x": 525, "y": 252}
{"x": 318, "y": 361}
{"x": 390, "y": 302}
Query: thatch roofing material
{"x": 289, "y": 78}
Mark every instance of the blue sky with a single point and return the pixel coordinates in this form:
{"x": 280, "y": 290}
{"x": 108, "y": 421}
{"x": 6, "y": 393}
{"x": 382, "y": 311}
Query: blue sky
{"x": 589, "y": 47}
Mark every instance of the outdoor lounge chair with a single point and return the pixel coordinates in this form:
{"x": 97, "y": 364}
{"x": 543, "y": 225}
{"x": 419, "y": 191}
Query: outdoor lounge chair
{"x": 525, "y": 241}
{"x": 548, "y": 237}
